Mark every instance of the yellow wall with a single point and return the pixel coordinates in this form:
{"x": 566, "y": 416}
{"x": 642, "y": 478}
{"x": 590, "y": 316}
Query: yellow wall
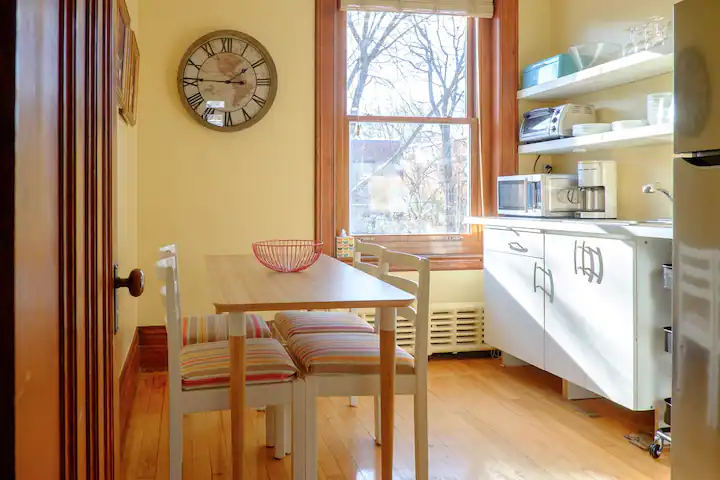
{"x": 126, "y": 218}
{"x": 578, "y": 22}
{"x": 213, "y": 192}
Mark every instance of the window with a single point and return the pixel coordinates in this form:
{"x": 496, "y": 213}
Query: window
{"x": 398, "y": 130}
{"x": 408, "y": 122}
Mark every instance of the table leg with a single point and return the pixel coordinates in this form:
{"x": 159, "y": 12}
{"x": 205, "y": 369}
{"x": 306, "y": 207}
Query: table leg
{"x": 237, "y": 392}
{"x": 387, "y": 389}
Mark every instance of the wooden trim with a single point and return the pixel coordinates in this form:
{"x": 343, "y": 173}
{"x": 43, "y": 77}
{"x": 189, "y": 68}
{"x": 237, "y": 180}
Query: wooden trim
{"x": 498, "y": 47}
{"x": 325, "y": 86}
{"x": 128, "y": 386}
{"x": 152, "y": 343}
{"x": 431, "y": 120}
{"x": 332, "y": 142}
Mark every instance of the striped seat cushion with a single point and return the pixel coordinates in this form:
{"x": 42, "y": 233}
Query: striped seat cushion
{"x": 214, "y": 328}
{"x": 354, "y": 353}
{"x": 207, "y": 365}
{"x": 294, "y": 323}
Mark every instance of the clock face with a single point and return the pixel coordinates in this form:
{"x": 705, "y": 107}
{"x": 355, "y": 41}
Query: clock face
{"x": 227, "y": 80}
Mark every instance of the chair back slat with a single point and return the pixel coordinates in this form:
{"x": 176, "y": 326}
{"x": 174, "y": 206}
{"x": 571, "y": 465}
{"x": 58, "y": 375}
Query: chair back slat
{"x": 168, "y": 273}
{"x": 368, "y": 250}
{"x": 408, "y": 313}
{"x": 401, "y": 283}
{"x": 420, "y": 314}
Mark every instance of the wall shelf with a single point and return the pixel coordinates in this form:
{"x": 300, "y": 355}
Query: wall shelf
{"x": 634, "y": 137}
{"x": 611, "y": 74}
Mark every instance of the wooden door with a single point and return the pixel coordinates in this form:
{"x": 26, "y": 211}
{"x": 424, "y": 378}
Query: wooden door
{"x": 61, "y": 230}
{"x": 514, "y": 305}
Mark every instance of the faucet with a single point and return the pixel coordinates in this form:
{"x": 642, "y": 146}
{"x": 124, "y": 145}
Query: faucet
{"x": 653, "y": 188}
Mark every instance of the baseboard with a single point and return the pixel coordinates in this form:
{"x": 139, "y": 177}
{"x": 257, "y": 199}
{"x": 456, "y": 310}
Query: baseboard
{"x": 153, "y": 348}
{"x": 128, "y": 385}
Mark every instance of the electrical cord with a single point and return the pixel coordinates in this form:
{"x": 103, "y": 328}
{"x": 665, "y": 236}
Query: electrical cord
{"x": 536, "y": 162}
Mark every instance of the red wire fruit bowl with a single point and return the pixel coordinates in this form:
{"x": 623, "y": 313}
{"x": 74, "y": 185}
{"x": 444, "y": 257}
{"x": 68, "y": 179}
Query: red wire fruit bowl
{"x": 287, "y": 255}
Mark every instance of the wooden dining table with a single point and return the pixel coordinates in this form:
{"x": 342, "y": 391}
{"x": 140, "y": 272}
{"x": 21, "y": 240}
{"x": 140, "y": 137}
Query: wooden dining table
{"x": 240, "y": 284}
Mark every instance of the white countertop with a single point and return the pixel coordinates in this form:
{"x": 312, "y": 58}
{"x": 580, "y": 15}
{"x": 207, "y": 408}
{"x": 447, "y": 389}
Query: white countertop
{"x": 623, "y": 228}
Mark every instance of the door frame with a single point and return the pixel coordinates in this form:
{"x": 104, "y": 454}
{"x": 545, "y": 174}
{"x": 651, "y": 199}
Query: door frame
{"x": 56, "y": 223}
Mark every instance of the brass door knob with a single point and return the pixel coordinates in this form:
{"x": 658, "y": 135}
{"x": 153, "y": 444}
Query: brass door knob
{"x": 135, "y": 282}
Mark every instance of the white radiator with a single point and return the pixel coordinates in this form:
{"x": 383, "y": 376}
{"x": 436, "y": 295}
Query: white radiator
{"x": 454, "y": 328}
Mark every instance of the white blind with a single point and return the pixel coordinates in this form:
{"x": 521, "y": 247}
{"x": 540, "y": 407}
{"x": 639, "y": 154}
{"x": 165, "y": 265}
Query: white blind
{"x": 467, "y": 8}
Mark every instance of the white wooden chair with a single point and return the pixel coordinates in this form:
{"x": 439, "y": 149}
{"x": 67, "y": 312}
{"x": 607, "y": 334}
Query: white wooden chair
{"x": 292, "y": 323}
{"x": 335, "y": 364}
{"x": 199, "y": 376}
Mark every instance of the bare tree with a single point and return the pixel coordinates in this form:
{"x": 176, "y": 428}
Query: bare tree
{"x": 433, "y": 51}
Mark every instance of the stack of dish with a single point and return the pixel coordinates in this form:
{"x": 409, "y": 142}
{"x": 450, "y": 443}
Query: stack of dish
{"x": 582, "y": 129}
{"x": 627, "y": 124}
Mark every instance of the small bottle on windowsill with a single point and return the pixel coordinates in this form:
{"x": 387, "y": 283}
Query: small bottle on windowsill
{"x": 345, "y": 245}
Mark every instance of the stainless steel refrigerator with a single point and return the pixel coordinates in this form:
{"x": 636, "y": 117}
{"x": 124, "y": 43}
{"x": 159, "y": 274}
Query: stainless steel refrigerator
{"x": 696, "y": 287}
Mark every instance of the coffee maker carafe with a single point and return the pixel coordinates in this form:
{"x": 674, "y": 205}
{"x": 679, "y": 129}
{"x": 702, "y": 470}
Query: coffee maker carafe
{"x": 597, "y": 184}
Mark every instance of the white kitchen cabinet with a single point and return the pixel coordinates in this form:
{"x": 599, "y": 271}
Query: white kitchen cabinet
{"x": 514, "y": 319}
{"x": 588, "y": 308}
{"x": 589, "y": 315}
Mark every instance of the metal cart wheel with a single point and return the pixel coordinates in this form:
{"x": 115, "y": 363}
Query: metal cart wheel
{"x": 656, "y": 450}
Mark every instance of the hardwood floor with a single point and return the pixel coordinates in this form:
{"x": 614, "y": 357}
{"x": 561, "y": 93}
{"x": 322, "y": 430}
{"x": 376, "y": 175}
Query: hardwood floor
{"x": 486, "y": 422}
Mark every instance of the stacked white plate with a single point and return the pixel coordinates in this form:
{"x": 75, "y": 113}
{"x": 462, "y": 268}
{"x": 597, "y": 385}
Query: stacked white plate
{"x": 627, "y": 124}
{"x": 590, "y": 129}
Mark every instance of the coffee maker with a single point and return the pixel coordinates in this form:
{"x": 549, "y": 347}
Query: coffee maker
{"x": 597, "y": 184}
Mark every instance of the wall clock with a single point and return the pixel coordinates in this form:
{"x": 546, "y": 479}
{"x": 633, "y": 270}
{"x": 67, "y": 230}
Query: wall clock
{"x": 227, "y": 80}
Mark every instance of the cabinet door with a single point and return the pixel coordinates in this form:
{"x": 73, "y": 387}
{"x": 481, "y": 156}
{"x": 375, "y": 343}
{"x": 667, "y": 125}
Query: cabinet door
{"x": 590, "y": 316}
{"x": 514, "y": 306}
{"x": 610, "y": 319}
{"x": 566, "y": 305}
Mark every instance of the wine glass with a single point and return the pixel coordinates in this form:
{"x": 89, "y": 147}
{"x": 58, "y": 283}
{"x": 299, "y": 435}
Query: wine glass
{"x": 632, "y": 46}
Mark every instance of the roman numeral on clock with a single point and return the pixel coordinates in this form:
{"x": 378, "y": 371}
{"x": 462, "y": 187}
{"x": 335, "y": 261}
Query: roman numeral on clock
{"x": 195, "y": 100}
{"x": 263, "y": 82}
{"x": 190, "y": 82}
{"x": 208, "y": 112}
{"x": 208, "y": 48}
{"x": 258, "y": 63}
{"x": 246, "y": 115}
{"x": 190, "y": 62}
{"x": 228, "y": 119}
{"x": 227, "y": 44}
{"x": 260, "y": 101}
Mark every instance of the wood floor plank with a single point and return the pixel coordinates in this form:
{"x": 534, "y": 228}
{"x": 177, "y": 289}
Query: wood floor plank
{"x": 486, "y": 422}
{"x": 151, "y": 421}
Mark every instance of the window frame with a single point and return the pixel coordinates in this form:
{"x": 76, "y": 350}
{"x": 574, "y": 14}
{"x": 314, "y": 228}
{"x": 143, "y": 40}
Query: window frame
{"x": 492, "y": 50}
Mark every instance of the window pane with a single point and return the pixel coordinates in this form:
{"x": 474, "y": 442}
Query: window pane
{"x": 407, "y": 65}
{"x": 408, "y": 178}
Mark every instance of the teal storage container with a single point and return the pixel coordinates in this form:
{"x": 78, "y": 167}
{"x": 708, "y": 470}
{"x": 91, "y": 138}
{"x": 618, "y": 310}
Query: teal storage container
{"x": 548, "y": 70}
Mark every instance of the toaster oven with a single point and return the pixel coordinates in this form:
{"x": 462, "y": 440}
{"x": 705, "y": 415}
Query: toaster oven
{"x": 548, "y": 195}
{"x": 543, "y": 124}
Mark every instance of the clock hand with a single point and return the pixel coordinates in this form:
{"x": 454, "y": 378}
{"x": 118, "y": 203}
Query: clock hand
{"x": 239, "y": 73}
{"x": 241, "y": 82}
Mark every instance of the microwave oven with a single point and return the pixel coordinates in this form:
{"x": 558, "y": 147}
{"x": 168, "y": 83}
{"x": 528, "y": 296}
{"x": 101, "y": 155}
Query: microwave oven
{"x": 544, "y": 124}
{"x": 546, "y": 195}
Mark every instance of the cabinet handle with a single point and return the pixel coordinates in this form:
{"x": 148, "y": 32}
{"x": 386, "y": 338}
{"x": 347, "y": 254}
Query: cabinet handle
{"x": 601, "y": 265}
{"x": 516, "y": 247}
{"x": 575, "y": 257}
{"x": 548, "y": 273}
{"x": 535, "y": 278}
{"x": 552, "y": 286}
{"x": 591, "y": 271}
{"x": 584, "y": 268}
